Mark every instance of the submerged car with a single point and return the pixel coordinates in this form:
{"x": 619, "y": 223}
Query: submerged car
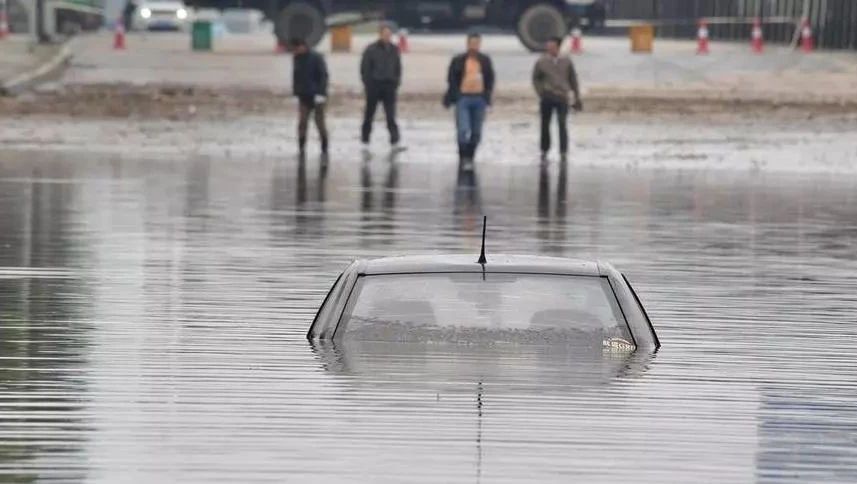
{"x": 507, "y": 300}
{"x": 161, "y": 15}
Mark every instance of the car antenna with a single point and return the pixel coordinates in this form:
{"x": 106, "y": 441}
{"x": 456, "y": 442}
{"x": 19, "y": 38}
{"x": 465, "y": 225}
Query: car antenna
{"x": 482, "y": 260}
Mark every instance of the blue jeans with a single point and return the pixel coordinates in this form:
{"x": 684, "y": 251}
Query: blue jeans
{"x": 469, "y": 117}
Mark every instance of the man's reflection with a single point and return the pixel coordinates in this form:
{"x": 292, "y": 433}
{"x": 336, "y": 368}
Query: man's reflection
{"x": 552, "y": 226}
{"x": 468, "y": 200}
{"x": 379, "y": 218}
{"x": 309, "y": 200}
{"x": 302, "y": 185}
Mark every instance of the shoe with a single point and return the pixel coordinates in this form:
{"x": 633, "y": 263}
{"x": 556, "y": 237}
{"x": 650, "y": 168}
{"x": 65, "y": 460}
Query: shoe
{"x": 544, "y": 157}
{"x": 325, "y": 159}
{"x": 398, "y": 147}
{"x": 467, "y": 164}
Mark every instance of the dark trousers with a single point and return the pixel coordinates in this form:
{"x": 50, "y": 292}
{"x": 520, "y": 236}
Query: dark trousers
{"x": 308, "y": 107}
{"x": 385, "y": 93}
{"x": 547, "y": 109}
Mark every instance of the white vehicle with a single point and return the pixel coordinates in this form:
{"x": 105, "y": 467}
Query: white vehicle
{"x": 161, "y": 15}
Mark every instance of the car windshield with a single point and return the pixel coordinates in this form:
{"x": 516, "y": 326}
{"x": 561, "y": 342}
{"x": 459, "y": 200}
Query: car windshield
{"x": 494, "y": 307}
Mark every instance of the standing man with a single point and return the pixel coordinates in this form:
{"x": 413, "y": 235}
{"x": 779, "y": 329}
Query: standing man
{"x": 381, "y": 71}
{"x": 309, "y": 84}
{"x": 470, "y": 85}
{"x": 553, "y": 78}
{"x": 128, "y": 14}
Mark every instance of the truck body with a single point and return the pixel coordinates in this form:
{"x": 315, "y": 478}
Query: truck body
{"x": 59, "y": 17}
{"x": 534, "y": 20}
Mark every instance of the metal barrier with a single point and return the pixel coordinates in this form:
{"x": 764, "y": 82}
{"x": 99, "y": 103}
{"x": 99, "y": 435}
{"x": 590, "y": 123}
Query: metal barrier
{"x": 833, "y": 21}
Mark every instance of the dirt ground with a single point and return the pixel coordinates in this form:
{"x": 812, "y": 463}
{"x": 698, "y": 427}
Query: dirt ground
{"x": 189, "y": 102}
{"x": 159, "y": 77}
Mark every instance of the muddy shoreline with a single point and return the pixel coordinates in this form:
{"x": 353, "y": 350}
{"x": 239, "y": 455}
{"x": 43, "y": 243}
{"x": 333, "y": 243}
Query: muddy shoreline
{"x": 173, "y": 102}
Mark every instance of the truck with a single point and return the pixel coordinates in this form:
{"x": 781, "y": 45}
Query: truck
{"x": 534, "y": 20}
{"x": 59, "y": 18}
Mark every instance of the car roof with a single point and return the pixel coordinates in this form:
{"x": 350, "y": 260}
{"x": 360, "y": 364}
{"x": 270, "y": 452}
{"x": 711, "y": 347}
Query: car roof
{"x": 466, "y": 263}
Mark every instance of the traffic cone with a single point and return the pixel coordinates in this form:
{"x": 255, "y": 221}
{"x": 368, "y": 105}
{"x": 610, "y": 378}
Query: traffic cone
{"x": 807, "y": 44}
{"x": 403, "y": 44}
{"x": 576, "y": 41}
{"x": 757, "y": 39}
{"x": 119, "y": 35}
{"x": 702, "y": 38}
{"x": 4, "y": 23}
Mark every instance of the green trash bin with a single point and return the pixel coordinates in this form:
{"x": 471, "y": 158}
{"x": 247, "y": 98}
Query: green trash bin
{"x": 200, "y": 35}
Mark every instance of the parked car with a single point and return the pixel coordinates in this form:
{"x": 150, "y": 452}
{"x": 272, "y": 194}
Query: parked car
{"x": 161, "y": 15}
{"x": 507, "y": 299}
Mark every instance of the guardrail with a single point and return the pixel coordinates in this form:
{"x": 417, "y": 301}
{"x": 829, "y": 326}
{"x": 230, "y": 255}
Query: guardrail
{"x": 672, "y": 22}
{"x": 834, "y": 22}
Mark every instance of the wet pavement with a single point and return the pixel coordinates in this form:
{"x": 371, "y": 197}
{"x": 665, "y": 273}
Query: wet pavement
{"x": 153, "y": 307}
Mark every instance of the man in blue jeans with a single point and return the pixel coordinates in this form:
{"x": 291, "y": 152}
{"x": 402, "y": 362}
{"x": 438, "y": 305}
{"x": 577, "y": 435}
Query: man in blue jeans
{"x": 470, "y": 85}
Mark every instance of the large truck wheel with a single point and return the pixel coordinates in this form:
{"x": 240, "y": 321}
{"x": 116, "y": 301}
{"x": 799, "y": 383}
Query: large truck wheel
{"x": 539, "y": 23}
{"x": 301, "y": 20}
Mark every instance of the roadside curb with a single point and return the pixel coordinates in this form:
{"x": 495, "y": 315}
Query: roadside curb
{"x": 48, "y": 69}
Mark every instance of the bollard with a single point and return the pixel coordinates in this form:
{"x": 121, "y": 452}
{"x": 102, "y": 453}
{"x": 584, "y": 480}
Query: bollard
{"x": 757, "y": 39}
{"x": 403, "y": 44}
{"x": 576, "y": 41}
{"x": 642, "y": 38}
{"x": 702, "y": 38}
{"x": 806, "y": 42}
{"x": 4, "y": 20}
{"x": 340, "y": 38}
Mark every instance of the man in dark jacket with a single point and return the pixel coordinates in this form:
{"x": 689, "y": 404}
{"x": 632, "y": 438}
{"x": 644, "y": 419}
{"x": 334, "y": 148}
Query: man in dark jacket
{"x": 554, "y": 78}
{"x": 381, "y": 71}
{"x": 128, "y": 14}
{"x": 470, "y": 83}
{"x": 309, "y": 84}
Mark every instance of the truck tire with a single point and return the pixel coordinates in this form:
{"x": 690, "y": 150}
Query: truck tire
{"x": 301, "y": 20}
{"x": 538, "y": 23}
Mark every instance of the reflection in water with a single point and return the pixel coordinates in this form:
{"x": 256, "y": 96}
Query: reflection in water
{"x": 487, "y": 374}
{"x": 153, "y": 313}
{"x": 43, "y": 333}
{"x": 807, "y": 434}
{"x": 467, "y": 202}
{"x": 479, "y": 432}
{"x": 378, "y": 220}
{"x": 552, "y": 226}
{"x": 453, "y": 368}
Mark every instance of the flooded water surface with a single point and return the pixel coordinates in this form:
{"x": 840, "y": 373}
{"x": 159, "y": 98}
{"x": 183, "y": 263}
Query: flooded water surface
{"x": 154, "y": 316}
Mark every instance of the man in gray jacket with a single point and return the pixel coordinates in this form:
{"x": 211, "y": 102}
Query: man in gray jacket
{"x": 381, "y": 72}
{"x": 554, "y": 78}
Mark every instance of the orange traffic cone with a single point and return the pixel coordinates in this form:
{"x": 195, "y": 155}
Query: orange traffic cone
{"x": 757, "y": 39}
{"x": 119, "y": 36}
{"x": 576, "y": 41}
{"x": 4, "y": 23}
{"x": 403, "y": 44}
{"x": 807, "y": 44}
{"x": 702, "y": 38}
